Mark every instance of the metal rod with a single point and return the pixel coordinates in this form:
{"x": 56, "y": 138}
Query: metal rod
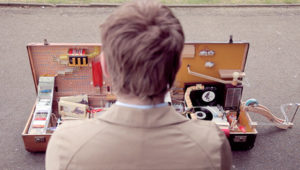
{"x": 209, "y": 77}
{"x": 295, "y": 112}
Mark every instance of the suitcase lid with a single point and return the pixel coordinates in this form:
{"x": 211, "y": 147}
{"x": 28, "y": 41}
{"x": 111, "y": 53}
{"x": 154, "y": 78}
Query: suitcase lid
{"x": 218, "y": 60}
{"x": 49, "y": 60}
{"x": 224, "y": 57}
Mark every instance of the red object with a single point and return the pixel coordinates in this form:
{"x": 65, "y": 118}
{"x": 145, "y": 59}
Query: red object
{"x": 38, "y": 126}
{"x": 94, "y": 110}
{"x": 226, "y": 131}
{"x": 40, "y": 118}
{"x": 73, "y": 51}
{"x": 97, "y": 74}
{"x": 242, "y": 128}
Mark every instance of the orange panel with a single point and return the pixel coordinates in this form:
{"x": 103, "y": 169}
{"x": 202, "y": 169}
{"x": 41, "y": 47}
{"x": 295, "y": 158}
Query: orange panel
{"x": 227, "y": 57}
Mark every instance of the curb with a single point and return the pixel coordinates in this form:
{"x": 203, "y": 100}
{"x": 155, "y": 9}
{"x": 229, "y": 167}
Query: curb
{"x": 237, "y": 6}
{"x": 101, "y": 5}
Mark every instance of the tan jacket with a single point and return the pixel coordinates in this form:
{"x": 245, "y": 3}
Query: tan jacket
{"x": 138, "y": 139}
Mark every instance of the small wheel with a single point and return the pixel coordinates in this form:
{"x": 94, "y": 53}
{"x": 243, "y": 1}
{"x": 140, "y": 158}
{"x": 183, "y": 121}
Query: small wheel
{"x": 251, "y": 102}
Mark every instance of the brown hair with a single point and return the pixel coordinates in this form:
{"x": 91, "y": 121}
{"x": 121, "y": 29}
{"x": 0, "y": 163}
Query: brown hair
{"x": 142, "y": 44}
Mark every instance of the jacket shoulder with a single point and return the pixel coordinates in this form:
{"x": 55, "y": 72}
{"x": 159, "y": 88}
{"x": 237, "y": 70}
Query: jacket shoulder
{"x": 211, "y": 140}
{"x": 68, "y": 139}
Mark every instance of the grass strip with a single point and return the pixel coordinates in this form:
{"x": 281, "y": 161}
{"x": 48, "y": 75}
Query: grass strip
{"x": 210, "y": 2}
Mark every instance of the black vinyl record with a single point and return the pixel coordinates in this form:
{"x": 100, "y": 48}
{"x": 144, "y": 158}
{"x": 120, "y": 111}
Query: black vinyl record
{"x": 205, "y": 97}
{"x": 203, "y": 114}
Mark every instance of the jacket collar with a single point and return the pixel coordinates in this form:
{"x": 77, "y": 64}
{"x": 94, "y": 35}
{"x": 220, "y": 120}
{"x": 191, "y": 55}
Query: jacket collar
{"x": 143, "y": 118}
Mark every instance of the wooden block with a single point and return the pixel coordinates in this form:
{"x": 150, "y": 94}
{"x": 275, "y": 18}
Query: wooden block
{"x": 227, "y": 74}
{"x": 188, "y": 51}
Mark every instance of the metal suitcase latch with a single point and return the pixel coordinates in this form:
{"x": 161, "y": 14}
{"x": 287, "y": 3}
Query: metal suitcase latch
{"x": 240, "y": 139}
{"x": 40, "y": 139}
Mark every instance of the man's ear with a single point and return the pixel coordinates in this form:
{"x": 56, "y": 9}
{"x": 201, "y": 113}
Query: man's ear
{"x": 103, "y": 65}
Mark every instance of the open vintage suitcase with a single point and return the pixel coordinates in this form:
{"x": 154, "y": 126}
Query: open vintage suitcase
{"x": 50, "y": 60}
{"x": 208, "y": 86}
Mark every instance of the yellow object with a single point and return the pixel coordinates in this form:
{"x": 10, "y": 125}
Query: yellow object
{"x": 84, "y": 61}
{"x": 95, "y": 53}
{"x": 63, "y": 57}
{"x": 78, "y": 60}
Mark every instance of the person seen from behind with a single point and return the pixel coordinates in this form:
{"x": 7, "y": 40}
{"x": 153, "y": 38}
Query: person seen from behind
{"x": 142, "y": 44}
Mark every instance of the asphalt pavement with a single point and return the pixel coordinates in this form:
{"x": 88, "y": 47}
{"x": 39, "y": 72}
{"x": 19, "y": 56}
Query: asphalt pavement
{"x": 273, "y": 70}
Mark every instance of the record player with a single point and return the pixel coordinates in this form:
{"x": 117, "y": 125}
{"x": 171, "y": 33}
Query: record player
{"x": 211, "y": 81}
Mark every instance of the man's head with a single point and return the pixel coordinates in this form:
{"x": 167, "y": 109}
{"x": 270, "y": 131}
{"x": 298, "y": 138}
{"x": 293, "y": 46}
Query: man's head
{"x": 142, "y": 44}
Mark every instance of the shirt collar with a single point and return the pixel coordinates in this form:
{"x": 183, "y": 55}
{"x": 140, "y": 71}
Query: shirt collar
{"x": 142, "y": 118}
{"x": 141, "y": 106}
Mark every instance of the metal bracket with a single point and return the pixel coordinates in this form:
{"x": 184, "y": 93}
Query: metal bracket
{"x": 46, "y": 42}
{"x": 230, "y": 39}
{"x": 298, "y": 105}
